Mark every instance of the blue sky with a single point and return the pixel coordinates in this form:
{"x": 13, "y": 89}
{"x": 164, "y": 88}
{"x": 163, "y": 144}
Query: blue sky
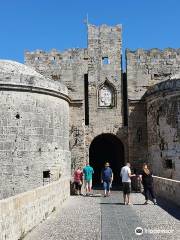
{"x": 47, "y": 24}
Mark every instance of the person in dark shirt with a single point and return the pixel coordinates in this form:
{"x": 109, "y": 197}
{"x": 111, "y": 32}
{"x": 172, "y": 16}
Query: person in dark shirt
{"x": 147, "y": 181}
{"x": 106, "y": 179}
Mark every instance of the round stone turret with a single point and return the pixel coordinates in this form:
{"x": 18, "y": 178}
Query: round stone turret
{"x": 163, "y": 125}
{"x": 34, "y": 129}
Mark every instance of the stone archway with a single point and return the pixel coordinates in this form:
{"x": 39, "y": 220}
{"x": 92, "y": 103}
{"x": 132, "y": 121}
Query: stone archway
{"x": 106, "y": 148}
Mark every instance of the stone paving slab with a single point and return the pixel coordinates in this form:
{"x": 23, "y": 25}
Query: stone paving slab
{"x": 99, "y": 218}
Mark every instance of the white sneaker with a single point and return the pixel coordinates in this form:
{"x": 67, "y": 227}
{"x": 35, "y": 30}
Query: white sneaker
{"x": 130, "y": 204}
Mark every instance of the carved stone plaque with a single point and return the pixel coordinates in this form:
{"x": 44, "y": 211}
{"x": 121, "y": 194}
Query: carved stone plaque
{"x": 105, "y": 97}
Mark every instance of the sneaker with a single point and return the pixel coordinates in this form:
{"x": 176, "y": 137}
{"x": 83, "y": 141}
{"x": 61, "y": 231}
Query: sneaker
{"x": 145, "y": 203}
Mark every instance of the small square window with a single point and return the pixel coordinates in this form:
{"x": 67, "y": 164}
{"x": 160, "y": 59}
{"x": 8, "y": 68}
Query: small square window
{"x": 105, "y": 60}
{"x": 168, "y": 163}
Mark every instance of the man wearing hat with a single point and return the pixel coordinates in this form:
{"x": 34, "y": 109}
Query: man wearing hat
{"x": 106, "y": 179}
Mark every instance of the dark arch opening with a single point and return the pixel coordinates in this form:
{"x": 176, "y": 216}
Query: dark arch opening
{"x": 106, "y": 148}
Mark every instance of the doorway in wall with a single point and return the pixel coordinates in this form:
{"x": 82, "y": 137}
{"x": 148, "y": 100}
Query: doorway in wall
{"x": 106, "y": 148}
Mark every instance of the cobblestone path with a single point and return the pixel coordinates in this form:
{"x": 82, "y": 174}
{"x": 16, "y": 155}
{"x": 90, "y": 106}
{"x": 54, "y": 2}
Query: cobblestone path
{"x": 99, "y": 218}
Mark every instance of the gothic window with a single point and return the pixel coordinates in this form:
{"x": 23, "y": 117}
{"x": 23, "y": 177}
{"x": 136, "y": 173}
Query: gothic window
{"x": 106, "y": 96}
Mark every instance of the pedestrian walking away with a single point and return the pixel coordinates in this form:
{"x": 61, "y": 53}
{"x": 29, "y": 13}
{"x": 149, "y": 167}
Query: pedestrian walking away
{"x": 88, "y": 171}
{"x": 78, "y": 180}
{"x": 126, "y": 181}
{"x": 106, "y": 179}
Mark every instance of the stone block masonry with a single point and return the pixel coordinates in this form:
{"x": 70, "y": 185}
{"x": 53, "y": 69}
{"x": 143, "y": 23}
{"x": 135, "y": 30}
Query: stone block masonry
{"x": 94, "y": 76}
{"x": 101, "y": 63}
{"x": 21, "y": 213}
{"x": 167, "y": 189}
{"x": 34, "y": 129}
{"x": 163, "y": 128}
{"x": 149, "y": 67}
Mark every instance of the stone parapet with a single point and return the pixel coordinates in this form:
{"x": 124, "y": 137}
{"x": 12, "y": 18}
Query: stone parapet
{"x": 17, "y": 75}
{"x": 168, "y": 189}
{"x": 20, "y": 213}
{"x": 168, "y": 86}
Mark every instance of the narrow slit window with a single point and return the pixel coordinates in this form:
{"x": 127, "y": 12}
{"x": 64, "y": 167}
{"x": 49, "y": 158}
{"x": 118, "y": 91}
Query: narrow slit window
{"x": 86, "y": 98}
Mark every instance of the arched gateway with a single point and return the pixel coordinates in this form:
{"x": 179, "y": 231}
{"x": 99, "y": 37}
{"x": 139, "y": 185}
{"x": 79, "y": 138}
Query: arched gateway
{"x": 106, "y": 148}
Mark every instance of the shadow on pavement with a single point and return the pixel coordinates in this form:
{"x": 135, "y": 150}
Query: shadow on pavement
{"x": 111, "y": 203}
{"x": 169, "y": 207}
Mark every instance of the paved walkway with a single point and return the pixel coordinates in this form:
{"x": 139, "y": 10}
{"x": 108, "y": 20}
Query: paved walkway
{"x": 99, "y": 218}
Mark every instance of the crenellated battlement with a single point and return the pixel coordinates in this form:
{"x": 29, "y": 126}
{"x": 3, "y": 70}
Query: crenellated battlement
{"x": 55, "y": 56}
{"x": 153, "y": 55}
{"x": 148, "y": 67}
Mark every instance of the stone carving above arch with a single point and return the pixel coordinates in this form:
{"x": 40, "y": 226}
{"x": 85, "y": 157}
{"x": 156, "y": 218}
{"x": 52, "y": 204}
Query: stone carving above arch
{"x": 106, "y": 95}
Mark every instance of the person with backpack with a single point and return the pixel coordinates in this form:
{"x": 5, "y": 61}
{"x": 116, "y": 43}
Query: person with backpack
{"x": 106, "y": 179}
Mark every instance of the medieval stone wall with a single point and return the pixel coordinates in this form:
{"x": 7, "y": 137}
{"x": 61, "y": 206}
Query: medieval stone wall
{"x": 163, "y": 124}
{"x": 137, "y": 134}
{"x": 145, "y": 68}
{"x": 34, "y": 132}
{"x": 148, "y": 67}
{"x": 23, "y": 212}
{"x": 69, "y": 68}
{"x": 101, "y": 62}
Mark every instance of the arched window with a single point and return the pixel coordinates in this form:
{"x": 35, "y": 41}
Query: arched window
{"x": 106, "y": 95}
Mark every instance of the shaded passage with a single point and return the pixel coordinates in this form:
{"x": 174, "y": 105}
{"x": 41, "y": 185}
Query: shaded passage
{"x": 106, "y": 148}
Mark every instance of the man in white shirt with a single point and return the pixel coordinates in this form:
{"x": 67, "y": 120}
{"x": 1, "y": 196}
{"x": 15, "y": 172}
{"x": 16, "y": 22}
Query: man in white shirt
{"x": 126, "y": 181}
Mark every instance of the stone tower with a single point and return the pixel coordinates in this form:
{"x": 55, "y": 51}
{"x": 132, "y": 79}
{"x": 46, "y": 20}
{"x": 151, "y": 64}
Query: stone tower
{"x": 105, "y": 115}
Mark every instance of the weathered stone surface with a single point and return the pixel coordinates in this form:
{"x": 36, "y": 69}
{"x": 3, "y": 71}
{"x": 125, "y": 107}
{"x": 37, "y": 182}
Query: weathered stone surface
{"x": 20, "y": 213}
{"x": 163, "y": 124}
{"x": 34, "y": 129}
{"x": 148, "y": 67}
{"x": 167, "y": 189}
{"x": 101, "y": 61}
{"x": 107, "y": 100}
{"x": 137, "y": 134}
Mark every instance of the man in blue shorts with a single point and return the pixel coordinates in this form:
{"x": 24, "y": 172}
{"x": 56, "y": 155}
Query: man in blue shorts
{"x": 106, "y": 179}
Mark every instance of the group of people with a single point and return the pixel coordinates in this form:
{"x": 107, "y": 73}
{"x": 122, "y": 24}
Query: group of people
{"x": 84, "y": 176}
{"x": 146, "y": 178}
